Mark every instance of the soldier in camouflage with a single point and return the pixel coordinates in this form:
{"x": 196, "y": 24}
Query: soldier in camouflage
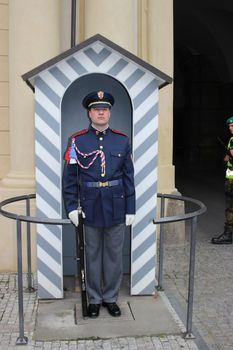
{"x": 226, "y": 236}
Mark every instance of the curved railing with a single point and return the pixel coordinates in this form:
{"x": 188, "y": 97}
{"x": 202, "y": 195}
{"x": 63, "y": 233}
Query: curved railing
{"x": 201, "y": 208}
{"x": 192, "y": 216}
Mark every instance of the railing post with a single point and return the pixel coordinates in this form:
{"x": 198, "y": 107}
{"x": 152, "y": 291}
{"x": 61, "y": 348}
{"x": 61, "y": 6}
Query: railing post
{"x": 29, "y": 256}
{"x": 161, "y": 243}
{"x": 193, "y": 233}
{"x": 21, "y": 339}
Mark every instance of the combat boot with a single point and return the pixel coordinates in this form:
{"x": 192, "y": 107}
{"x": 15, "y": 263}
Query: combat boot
{"x": 224, "y": 238}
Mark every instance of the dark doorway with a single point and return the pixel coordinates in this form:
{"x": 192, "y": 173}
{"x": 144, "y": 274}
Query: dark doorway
{"x": 203, "y": 81}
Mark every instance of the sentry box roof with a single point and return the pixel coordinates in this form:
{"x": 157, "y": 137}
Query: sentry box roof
{"x": 103, "y": 48}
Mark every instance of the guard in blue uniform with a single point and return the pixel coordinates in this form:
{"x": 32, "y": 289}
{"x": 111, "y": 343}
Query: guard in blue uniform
{"x": 99, "y": 173}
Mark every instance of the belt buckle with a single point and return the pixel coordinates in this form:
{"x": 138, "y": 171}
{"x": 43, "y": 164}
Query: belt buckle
{"x": 103, "y": 184}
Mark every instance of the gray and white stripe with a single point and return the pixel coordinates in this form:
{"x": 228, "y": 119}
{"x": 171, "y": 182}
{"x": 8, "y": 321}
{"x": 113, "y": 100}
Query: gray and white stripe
{"x": 50, "y": 87}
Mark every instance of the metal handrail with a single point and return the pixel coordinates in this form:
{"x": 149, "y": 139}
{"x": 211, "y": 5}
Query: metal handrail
{"x": 193, "y": 232}
{"x": 183, "y": 217}
{"x": 22, "y": 339}
{"x": 25, "y": 218}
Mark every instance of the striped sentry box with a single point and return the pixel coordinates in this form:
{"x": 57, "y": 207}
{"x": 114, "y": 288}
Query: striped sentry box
{"x": 50, "y": 86}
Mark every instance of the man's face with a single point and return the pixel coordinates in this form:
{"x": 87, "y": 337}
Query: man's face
{"x": 99, "y": 116}
{"x": 230, "y": 126}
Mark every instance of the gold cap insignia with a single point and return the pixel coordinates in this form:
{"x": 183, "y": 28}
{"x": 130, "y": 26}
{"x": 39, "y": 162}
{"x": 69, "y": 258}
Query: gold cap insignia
{"x": 100, "y": 94}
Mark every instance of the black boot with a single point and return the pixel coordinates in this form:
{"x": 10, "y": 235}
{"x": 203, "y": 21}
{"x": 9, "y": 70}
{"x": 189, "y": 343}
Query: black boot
{"x": 224, "y": 238}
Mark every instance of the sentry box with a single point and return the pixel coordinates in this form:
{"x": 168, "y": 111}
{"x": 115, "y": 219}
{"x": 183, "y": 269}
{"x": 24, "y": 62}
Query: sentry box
{"x": 60, "y": 85}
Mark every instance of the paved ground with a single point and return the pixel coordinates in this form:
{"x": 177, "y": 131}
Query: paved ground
{"x": 213, "y": 298}
{"x": 9, "y": 328}
{"x": 213, "y": 295}
{"x": 141, "y": 316}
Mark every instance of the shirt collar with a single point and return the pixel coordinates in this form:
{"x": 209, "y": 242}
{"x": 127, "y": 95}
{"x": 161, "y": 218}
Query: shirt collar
{"x": 97, "y": 132}
{"x": 98, "y": 129}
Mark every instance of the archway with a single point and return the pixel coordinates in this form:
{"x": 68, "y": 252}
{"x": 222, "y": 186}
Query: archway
{"x": 74, "y": 118}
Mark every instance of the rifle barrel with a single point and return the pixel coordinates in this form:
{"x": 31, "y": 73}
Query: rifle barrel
{"x": 81, "y": 264}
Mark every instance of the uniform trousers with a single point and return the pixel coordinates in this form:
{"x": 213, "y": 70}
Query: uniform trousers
{"x": 104, "y": 262}
{"x": 229, "y": 206}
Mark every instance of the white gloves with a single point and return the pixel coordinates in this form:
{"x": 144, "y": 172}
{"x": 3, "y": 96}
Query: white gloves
{"x": 129, "y": 219}
{"x": 73, "y": 216}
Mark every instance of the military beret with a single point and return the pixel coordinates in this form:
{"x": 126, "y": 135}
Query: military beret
{"x": 229, "y": 120}
{"x": 98, "y": 99}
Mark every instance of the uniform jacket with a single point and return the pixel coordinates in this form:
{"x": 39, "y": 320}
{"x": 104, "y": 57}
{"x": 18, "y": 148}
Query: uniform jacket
{"x": 229, "y": 170}
{"x": 103, "y": 206}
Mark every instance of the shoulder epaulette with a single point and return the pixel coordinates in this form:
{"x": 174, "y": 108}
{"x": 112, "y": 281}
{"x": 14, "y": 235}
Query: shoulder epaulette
{"x": 81, "y": 132}
{"x": 119, "y": 132}
{"x": 70, "y": 152}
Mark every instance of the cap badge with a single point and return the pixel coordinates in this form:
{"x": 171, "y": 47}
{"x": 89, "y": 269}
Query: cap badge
{"x": 100, "y": 94}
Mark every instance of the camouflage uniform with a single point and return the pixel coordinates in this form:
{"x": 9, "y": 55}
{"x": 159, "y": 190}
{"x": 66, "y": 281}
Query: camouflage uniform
{"x": 226, "y": 237}
{"x": 229, "y": 192}
{"x": 229, "y": 205}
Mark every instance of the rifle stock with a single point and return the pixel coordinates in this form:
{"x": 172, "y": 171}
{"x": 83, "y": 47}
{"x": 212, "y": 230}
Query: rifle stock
{"x": 225, "y": 147}
{"x": 80, "y": 248}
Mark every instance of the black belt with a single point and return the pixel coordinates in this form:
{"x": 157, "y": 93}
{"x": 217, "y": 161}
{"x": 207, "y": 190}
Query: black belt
{"x": 102, "y": 184}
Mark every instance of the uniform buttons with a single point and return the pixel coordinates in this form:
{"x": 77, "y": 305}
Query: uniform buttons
{"x": 119, "y": 155}
{"x": 101, "y": 138}
{"x": 101, "y": 147}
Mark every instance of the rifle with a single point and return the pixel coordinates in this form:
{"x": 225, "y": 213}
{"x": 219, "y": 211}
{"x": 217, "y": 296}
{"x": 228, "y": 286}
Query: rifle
{"x": 80, "y": 251}
{"x": 225, "y": 147}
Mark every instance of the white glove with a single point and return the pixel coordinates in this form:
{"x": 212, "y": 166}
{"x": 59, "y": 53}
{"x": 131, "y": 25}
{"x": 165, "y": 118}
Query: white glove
{"x": 73, "y": 216}
{"x": 129, "y": 219}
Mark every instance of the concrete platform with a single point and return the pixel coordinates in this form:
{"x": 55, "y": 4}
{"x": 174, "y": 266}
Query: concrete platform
{"x": 141, "y": 316}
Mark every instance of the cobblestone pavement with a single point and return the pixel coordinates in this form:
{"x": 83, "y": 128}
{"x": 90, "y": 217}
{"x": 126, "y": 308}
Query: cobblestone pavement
{"x": 213, "y": 296}
{"x": 213, "y": 292}
{"x": 9, "y": 328}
